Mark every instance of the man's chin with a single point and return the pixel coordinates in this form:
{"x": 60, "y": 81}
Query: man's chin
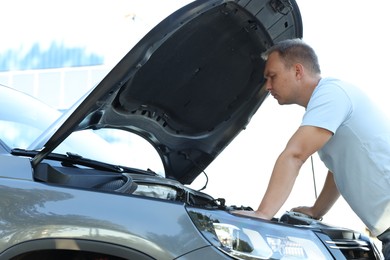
{"x": 283, "y": 102}
{"x": 278, "y": 100}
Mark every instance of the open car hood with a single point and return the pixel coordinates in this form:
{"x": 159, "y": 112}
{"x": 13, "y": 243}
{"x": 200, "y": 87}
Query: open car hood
{"x": 191, "y": 84}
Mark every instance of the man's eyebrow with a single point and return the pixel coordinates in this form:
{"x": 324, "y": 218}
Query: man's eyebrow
{"x": 267, "y": 73}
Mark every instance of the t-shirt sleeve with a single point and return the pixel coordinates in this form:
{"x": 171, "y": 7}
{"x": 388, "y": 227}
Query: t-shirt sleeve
{"x": 328, "y": 108}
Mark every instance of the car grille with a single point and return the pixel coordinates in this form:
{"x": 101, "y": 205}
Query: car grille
{"x": 348, "y": 245}
{"x": 352, "y": 249}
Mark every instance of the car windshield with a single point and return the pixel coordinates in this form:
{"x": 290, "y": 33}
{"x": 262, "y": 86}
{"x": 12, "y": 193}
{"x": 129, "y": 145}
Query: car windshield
{"x": 113, "y": 146}
{"x": 23, "y": 119}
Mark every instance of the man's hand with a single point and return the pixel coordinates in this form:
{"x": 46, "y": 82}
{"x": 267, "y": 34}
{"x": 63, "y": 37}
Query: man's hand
{"x": 307, "y": 211}
{"x": 254, "y": 214}
{"x": 325, "y": 201}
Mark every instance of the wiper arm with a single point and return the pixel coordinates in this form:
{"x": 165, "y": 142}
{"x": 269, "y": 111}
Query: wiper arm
{"x": 78, "y": 159}
{"x": 72, "y": 159}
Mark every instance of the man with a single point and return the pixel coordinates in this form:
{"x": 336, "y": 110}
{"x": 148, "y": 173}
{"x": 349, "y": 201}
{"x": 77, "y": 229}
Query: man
{"x": 351, "y": 136}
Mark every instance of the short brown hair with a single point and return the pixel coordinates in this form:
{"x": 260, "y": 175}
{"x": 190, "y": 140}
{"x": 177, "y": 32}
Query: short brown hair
{"x": 295, "y": 51}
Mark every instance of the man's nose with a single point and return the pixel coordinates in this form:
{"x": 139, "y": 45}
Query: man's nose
{"x": 268, "y": 85}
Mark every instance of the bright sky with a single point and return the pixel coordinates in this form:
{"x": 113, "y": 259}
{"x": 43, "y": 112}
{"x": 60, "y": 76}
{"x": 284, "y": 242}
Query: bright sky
{"x": 350, "y": 37}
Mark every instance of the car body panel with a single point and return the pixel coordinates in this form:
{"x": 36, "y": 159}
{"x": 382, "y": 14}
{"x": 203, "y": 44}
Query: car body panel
{"x": 72, "y": 248}
{"x": 46, "y": 211}
{"x": 16, "y": 167}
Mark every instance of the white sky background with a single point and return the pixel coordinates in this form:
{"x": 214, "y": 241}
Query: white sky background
{"x": 350, "y": 37}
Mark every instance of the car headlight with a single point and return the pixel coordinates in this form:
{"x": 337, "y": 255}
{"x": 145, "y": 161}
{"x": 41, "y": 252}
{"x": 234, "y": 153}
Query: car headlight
{"x": 246, "y": 238}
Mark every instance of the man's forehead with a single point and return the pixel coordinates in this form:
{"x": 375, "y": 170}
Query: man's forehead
{"x": 274, "y": 56}
{"x": 272, "y": 63}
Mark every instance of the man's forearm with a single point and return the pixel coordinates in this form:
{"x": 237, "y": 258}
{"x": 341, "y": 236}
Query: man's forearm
{"x": 327, "y": 197}
{"x": 281, "y": 183}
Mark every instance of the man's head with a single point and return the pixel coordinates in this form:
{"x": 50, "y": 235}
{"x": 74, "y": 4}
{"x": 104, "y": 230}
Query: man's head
{"x": 295, "y": 51}
{"x": 292, "y": 71}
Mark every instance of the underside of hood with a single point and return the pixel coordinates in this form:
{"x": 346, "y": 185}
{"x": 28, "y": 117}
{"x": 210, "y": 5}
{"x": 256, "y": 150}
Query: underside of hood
{"x": 191, "y": 84}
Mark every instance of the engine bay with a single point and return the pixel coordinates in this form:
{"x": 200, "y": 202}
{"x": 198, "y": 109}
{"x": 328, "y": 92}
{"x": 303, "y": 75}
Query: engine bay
{"x": 153, "y": 186}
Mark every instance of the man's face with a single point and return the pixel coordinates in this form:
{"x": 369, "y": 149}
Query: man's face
{"x": 280, "y": 80}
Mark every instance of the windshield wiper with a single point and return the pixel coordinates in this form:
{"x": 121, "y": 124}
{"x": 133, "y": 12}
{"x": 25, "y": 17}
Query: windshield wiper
{"x": 72, "y": 159}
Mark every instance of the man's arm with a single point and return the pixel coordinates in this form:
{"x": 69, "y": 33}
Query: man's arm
{"x": 306, "y": 141}
{"x": 325, "y": 201}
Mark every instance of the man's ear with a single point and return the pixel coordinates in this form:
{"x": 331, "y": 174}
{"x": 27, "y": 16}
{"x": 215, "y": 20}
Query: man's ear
{"x": 299, "y": 71}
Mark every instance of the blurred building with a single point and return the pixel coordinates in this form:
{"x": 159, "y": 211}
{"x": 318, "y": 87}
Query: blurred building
{"x": 58, "y": 76}
{"x": 59, "y": 52}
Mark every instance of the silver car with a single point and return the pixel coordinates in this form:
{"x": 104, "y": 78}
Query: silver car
{"x": 72, "y": 186}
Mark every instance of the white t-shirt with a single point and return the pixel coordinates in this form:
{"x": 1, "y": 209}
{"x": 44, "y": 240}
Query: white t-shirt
{"x": 358, "y": 153}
